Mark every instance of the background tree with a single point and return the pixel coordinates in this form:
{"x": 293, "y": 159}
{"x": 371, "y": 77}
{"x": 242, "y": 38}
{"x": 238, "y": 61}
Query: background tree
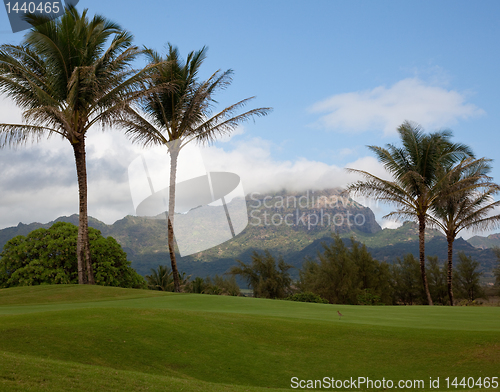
{"x": 306, "y": 297}
{"x": 407, "y": 281}
{"x": 466, "y": 202}
{"x": 268, "y": 277}
{"x": 496, "y": 270}
{"x": 437, "y": 275}
{"x": 228, "y": 285}
{"x": 468, "y": 277}
{"x": 341, "y": 274}
{"x": 197, "y": 286}
{"x": 173, "y": 117}
{"x": 218, "y": 285}
{"x": 334, "y": 277}
{"x": 416, "y": 169}
{"x": 374, "y": 276}
{"x": 48, "y": 256}
{"x": 162, "y": 279}
{"x": 66, "y": 78}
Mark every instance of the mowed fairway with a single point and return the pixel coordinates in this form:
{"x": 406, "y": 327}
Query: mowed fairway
{"x": 59, "y": 338}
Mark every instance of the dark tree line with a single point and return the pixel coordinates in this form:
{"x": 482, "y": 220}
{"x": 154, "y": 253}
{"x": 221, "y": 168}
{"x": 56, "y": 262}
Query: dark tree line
{"x": 350, "y": 275}
{"x": 342, "y": 274}
{"x": 268, "y": 277}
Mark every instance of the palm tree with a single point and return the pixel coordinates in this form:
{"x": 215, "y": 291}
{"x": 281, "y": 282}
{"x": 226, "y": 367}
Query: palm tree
{"x": 176, "y": 116}
{"x": 66, "y": 79}
{"x": 466, "y": 202}
{"x": 416, "y": 168}
{"x": 160, "y": 279}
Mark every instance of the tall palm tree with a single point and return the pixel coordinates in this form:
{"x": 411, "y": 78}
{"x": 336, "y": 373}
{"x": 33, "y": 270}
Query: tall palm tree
{"x": 67, "y": 77}
{"x": 416, "y": 168}
{"x": 466, "y": 202}
{"x": 176, "y": 116}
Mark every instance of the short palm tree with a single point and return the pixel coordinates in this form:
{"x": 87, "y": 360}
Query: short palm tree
{"x": 416, "y": 168}
{"x": 67, "y": 77}
{"x": 160, "y": 279}
{"x": 180, "y": 114}
{"x": 466, "y": 203}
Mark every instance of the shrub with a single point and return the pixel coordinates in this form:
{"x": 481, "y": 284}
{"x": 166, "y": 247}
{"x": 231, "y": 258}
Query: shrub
{"x": 468, "y": 278}
{"x": 341, "y": 273}
{"x": 268, "y": 277}
{"x": 48, "y": 256}
{"x": 162, "y": 279}
{"x": 306, "y": 297}
{"x": 368, "y": 298}
{"x": 218, "y": 285}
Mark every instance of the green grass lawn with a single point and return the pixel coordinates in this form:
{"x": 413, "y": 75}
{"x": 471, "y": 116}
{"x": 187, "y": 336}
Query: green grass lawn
{"x": 88, "y": 338}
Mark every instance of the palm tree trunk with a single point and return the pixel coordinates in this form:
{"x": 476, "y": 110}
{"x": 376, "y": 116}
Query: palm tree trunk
{"x": 421, "y": 238}
{"x": 174, "y": 153}
{"x": 85, "y": 272}
{"x": 450, "y": 269}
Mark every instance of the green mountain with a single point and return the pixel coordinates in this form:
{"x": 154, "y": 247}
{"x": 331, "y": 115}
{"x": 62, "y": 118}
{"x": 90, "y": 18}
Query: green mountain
{"x": 491, "y": 241}
{"x": 23, "y": 229}
{"x": 405, "y": 234}
{"x": 289, "y": 224}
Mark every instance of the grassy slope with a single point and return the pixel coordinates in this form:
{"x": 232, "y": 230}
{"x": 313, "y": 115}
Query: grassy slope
{"x": 406, "y": 233}
{"x": 138, "y": 340}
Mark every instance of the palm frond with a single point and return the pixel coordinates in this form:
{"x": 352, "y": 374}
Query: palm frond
{"x": 13, "y": 135}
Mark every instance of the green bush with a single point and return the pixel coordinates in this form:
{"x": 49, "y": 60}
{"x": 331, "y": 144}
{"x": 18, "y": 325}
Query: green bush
{"x": 48, "y": 256}
{"x": 306, "y": 297}
{"x": 368, "y": 298}
{"x": 341, "y": 273}
{"x": 267, "y": 276}
{"x": 407, "y": 281}
{"x": 467, "y": 278}
{"x": 468, "y": 302}
{"x": 218, "y": 285}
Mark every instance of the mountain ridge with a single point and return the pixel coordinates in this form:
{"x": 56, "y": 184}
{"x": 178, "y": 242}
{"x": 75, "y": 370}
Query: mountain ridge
{"x": 145, "y": 239}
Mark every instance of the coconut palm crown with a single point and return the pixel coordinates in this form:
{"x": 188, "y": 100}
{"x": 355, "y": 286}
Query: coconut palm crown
{"x": 466, "y": 203}
{"x": 67, "y": 75}
{"x": 416, "y": 169}
{"x": 182, "y": 113}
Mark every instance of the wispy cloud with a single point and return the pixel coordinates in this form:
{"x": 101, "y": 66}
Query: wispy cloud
{"x": 385, "y": 108}
{"x": 38, "y": 182}
{"x": 252, "y": 160}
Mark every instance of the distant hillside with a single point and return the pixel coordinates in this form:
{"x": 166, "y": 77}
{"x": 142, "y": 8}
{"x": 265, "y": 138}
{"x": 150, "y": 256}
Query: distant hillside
{"x": 435, "y": 245}
{"x": 290, "y": 224}
{"x": 491, "y": 241}
{"x": 406, "y": 233}
{"x": 23, "y": 229}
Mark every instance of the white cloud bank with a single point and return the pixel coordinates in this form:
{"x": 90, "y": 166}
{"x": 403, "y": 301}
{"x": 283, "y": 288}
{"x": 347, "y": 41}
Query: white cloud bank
{"x": 38, "y": 183}
{"x": 385, "y": 108}
{"x": 252, "y": 160}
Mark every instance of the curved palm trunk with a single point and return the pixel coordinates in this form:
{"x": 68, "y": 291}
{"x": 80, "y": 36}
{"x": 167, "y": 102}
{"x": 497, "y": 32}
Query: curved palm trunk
{"x": 421, "y": 239}
{"x": 85, "y": 272}
{"x": 450, "y": 269}
{"x": 174, "y": 153}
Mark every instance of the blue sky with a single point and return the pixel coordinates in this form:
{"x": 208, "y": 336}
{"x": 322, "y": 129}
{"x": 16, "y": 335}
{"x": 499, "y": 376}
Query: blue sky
{"x": 340, "y": 75}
